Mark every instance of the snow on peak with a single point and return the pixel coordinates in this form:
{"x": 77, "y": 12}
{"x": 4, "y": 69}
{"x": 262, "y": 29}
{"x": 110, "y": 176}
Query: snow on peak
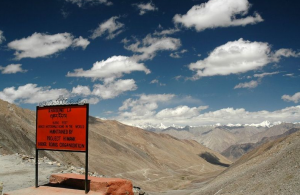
{"x": 262, "y": 124}
{"x": 234, "y": 125}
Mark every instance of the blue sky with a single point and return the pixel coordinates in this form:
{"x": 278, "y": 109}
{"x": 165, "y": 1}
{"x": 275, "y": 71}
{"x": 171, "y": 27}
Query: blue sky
{"x": 183, "y": 62}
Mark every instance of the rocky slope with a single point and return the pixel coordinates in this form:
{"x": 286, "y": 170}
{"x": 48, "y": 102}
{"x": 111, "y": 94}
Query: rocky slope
{"x": 152, "y": 161}
{"x": 234, "y": 152}
{"x": 272, "y": 168}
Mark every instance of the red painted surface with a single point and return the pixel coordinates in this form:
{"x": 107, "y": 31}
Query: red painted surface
{"x": 62, "y": 127}
{"x": 105, "y": 186}
{"x": 74, "y": 184}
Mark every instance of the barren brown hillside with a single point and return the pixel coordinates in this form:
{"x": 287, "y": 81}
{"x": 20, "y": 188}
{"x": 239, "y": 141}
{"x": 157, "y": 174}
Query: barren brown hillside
{"x": 272, "y": 168}
{"x": 152, "y": 161}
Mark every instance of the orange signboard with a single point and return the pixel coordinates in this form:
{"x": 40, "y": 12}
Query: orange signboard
{"x": 62, "y": 127}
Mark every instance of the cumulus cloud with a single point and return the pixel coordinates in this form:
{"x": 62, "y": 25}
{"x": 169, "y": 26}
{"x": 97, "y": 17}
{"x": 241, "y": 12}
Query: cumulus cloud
{"x": 294, "y": 98}
{"x": 12, "y": 69}
{"x": 114, "y": 89}
{"x": 31, "y": 93}
{"x": 218, "y": 13}
{"x": 180, "y": 112}
{"x": 42, "y": 45}
{"x": 110, "y": 27}
{"x": 81, "y": 3}
{"x": 145, "y": 7}
{"x": 143, "y": 107}
{"x": 80, "y": 42}
{"x": 236, "y": 57}
{"x": 2, "y": 38}
{"x": 81, "y": 90}
{"x": 250, "y": 84}
{"x": 110, "y": 69}
{"x": 151, "y": 45}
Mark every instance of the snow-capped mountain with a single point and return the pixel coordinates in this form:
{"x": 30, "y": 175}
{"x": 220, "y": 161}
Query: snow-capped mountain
{"x": 161, "y": 126}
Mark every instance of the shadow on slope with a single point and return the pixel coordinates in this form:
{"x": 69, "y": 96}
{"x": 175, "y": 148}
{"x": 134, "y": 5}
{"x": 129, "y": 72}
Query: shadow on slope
{"x": 211, "y": 158}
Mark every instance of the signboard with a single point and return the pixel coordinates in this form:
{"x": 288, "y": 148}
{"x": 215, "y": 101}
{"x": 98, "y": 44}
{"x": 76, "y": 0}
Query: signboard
{"x": 62, "y": 127}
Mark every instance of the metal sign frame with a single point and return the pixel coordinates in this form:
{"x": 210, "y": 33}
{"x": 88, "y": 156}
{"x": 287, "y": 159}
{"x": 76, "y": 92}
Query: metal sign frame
{"x": 86, "y": 141}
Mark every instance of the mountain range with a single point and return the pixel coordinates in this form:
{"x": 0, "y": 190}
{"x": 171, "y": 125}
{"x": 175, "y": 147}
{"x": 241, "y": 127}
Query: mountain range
{"x": 221, "y": 137}
{"x": 150, "y": 160}
{"x": 157, "y": 161}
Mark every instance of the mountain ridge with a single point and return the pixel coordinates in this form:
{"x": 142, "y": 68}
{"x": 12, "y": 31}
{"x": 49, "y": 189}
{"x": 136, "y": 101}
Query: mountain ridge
{"x": 117, "y": 150}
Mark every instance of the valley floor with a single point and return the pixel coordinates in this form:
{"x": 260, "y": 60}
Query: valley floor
{"x": 18, "y": 172}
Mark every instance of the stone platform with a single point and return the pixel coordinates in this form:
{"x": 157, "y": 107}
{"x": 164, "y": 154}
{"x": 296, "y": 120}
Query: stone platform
{"x": 67, "y": 184}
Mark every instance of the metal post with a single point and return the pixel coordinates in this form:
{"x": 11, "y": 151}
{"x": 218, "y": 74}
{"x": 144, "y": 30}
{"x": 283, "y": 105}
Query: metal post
{"x": 87, "y": 150}
{"x": 36, "y": 153}
{"x": 86, "y": 172}
{"x": 36, "y": 168}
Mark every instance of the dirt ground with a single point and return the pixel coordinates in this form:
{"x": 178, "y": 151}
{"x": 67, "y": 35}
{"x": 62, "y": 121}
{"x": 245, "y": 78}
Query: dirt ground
{"x": 16, "y": 173}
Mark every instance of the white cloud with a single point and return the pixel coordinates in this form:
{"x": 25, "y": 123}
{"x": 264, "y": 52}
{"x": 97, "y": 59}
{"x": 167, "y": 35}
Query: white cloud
{"x": 289, "y": 75}
{"x": 80, "y": 42}
{"x": 114, "y": 89}
{"x": 180, "y": 112}
{"x": 218, "y": 13}
{"x": 81, "y": 3}
{"x": 144, "y": 100}
{"x": 31, "y": 94}
{"x": 41, "y": 45}
{"x": 262, "y": 75}
{"x": 250, "y": 84}
{"x": 110, "y": 69}
{"x": 125, "y": 41}
{"x": 145, "y": 7}
{"x": 178, "y": 77}
{"x": 235, "y": 57}
{"x": 184, "y": 115}
{"x": 111, "y": 27}
{"x": 253, "y": 84}
{"x": 143, "y": 107}
{"x": 167, "y": 32}
{"x": 12, "y": 69}
{"x": 295, "y": 98}
{"x": 2, "y": 38}
{"x": 177, "y": 54}
{"x": 92, "y": 100}
{"x": 285, "y": 53}
{"x": 156, "y": 81}
{"x": 81, "y": 90}
{"x": 151, "y": 45}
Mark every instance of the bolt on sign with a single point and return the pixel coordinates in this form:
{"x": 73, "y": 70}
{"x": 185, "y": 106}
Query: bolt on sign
{"x": 62, "y": 128}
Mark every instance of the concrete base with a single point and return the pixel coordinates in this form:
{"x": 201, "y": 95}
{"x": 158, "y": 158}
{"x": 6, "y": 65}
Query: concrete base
{"x": 68, "y": 184}
{"x": 49, "y": 191}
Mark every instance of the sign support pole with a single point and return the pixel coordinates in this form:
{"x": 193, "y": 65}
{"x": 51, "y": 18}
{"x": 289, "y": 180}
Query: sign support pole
{"x": 36, "y": 168}
{"x": 36, "y": 155}
{"x": 87, "y": 151}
